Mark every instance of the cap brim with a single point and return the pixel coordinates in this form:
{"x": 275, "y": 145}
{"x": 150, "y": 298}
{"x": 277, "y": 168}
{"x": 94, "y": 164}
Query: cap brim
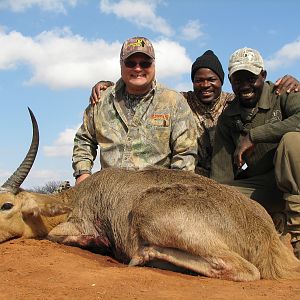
{"x": 252, "y": 69}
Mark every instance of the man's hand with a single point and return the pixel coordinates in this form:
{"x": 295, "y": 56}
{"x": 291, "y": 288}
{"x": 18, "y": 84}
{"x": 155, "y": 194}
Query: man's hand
{"x": 245, "y": 146}
{"x": 287, "y": 84}
{"x": 81, "y": 178}
{"x": 96, "y": 90}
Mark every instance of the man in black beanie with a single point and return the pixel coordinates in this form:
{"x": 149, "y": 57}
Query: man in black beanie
{"x": 207, "y": 101}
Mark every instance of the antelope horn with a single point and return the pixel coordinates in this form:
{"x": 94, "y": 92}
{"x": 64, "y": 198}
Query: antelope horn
{"x": 14, "y": 182}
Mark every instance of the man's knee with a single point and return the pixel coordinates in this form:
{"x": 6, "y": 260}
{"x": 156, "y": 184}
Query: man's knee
{"x": 291, "y": 140}
{"x": 287, "y": 163}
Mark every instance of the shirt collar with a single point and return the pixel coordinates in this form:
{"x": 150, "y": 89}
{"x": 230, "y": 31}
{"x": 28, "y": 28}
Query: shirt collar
{"x": 264, "y": 101}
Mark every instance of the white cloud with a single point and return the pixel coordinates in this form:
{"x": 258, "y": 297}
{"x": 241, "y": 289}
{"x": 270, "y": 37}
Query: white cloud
{"x": 58, "y": 6}
{"x": 60, "y": 59}
{"x": 184, "y": 86}
{"x": 171, "y": 59}
{"x": 38, "y": 178}
{"x": 286, "y": 56}
{"x": 63, "y": 146}
{"x": 139, "y": 12}
{"x": 4, "y": 175}
{"x": 45, "y": 175}
{"x": 192, "y": 30}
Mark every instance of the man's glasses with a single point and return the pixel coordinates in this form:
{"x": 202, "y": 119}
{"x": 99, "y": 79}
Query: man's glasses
{"x": 143, "y": 64}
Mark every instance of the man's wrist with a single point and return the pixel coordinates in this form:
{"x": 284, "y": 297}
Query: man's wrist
{"x": 250, "y": 137}
{"x": 78, "y": 173}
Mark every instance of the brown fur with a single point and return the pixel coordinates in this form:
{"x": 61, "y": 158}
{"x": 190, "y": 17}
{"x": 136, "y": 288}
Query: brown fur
{"x": 144, "y": 217}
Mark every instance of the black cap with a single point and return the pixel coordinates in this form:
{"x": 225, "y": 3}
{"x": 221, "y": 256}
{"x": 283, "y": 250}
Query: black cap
{"x": 208, "y": 60}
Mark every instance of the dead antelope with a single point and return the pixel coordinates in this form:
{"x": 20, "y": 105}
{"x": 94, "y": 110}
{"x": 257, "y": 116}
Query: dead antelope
{"x": 151, "y": 216}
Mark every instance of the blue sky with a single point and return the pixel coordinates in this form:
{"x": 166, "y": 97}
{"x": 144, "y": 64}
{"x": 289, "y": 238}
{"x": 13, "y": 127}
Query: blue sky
{"x": 53, "y": 51}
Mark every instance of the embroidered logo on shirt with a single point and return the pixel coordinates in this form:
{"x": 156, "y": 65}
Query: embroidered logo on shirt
{"x": 162, "y": 120}
{"x": 276, "y": 116}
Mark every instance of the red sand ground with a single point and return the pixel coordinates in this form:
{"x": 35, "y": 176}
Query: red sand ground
{"x": 32, "y": 269}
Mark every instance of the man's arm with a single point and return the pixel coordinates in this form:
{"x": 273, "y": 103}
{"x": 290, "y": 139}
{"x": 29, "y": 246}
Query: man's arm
{"x": 183, "y": 138}
{"x": 272, "y": 132}
{"x": 85, "y": 147}
{"x": 244, "y": 147}
{"x": 222, "y": 164}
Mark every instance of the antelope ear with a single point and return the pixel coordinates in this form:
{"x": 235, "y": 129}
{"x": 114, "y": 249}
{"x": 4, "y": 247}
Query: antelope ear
{"x": 51, "y": 208}
{"x": 54, "y": 208}
{"x": 30, "y": 208}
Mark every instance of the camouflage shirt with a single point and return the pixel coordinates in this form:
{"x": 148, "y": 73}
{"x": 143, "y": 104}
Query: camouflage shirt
{"x": 206, "y": 117}
{"x": 161, "y": 132}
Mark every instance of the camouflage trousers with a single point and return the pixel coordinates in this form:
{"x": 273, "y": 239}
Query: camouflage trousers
{"x": 279, "y": 189}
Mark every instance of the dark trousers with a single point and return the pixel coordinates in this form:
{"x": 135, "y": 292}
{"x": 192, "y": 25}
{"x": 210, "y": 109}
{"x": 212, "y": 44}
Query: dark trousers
{"x": 278, "y": 191}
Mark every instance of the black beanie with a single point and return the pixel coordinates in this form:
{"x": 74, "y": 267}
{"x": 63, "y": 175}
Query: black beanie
{"x": 208, "y": 60}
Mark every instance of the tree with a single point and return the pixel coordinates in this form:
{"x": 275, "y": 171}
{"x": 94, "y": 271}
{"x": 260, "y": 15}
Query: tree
{"x": 51, "y": 187}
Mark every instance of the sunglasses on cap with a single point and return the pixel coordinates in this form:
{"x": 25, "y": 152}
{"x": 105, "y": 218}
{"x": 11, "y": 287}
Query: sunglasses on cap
{"x": 143, "y": 64}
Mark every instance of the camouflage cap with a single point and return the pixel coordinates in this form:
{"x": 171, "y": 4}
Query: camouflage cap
{"x": 137, "y": 45}
{"x": 246, "y": 59}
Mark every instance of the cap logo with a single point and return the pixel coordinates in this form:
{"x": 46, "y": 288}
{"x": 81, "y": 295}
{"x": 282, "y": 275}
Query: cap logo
{"x": 249, "y": 56}
{"x": 138, "y": 43}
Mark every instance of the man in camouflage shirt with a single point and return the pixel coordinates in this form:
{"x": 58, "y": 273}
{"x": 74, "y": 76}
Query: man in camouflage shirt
{"x": 138, "y": 122}
{"x": 207, "y": 101}
{"x": 261, "y": 129}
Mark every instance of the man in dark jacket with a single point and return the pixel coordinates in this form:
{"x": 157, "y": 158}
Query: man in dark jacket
{"x": 257, "y": 142}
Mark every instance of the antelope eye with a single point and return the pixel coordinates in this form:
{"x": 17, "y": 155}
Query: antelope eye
{"x": 7, "y": 206}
